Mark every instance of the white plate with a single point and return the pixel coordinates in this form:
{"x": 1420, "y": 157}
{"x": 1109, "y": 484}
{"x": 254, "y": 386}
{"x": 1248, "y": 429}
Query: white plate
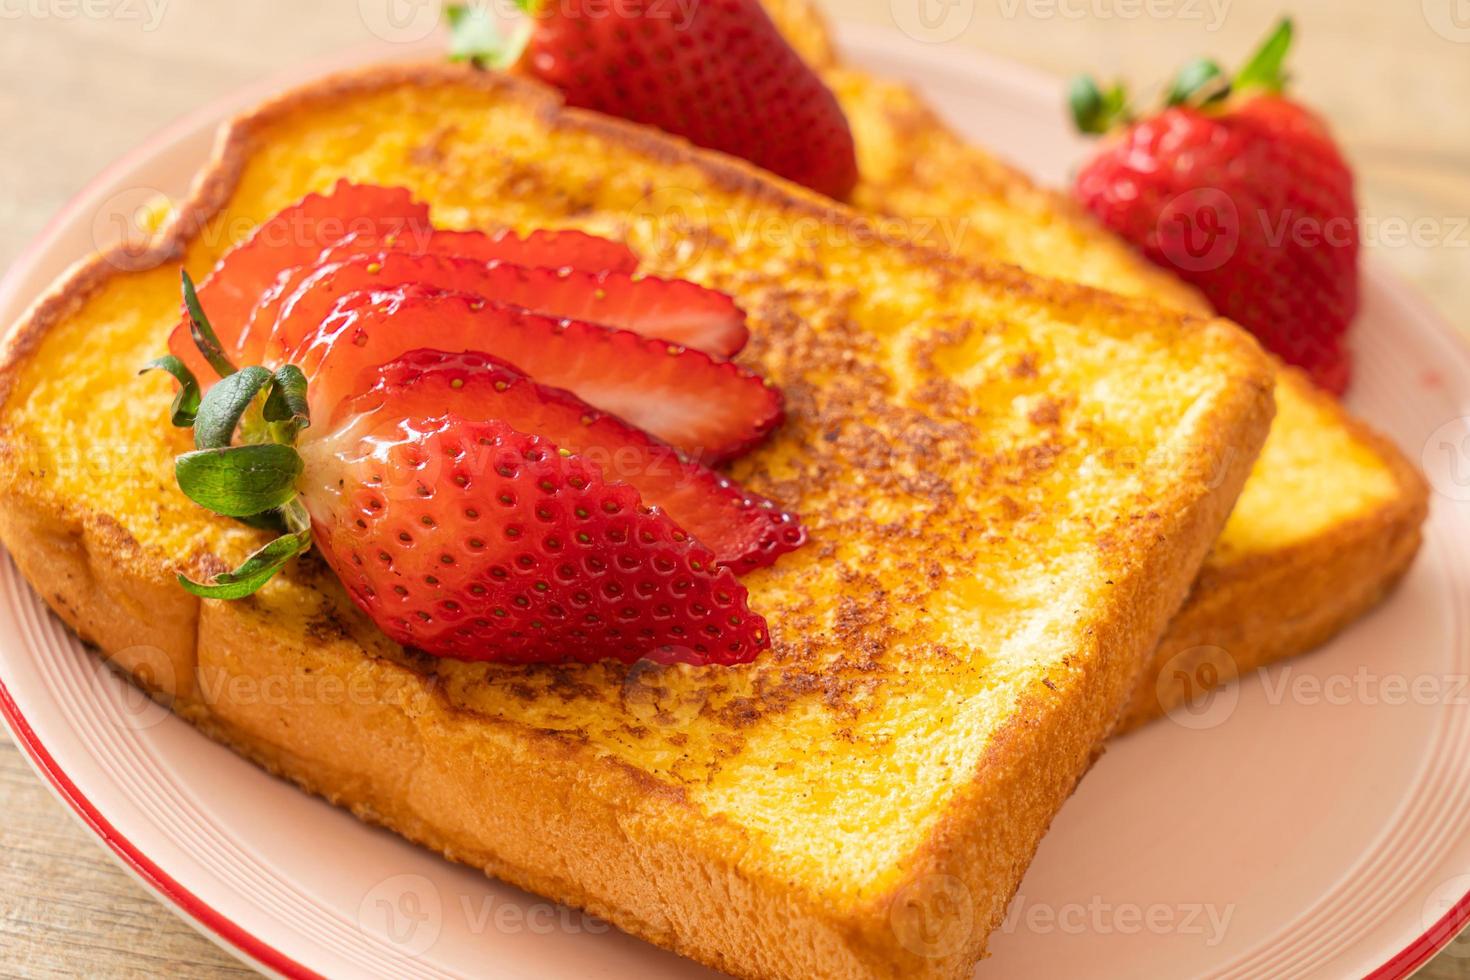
{"x": 1310, "y": 821}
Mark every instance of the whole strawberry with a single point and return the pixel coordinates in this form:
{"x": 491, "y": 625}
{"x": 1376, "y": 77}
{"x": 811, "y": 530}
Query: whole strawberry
{"x": 716, "y": 72}
{"x": 1243, "y": 193}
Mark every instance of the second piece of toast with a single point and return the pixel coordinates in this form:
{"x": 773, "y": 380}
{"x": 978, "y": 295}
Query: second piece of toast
{"x": 1330, "y": 518}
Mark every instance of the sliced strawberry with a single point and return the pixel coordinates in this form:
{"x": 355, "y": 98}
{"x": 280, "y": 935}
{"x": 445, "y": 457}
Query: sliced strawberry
{"x": 711, "y": 409}
{"x": 556, "y": 249}
{"x": 670, "y": 310}
{"x": 744, "y": 530}
{"x": 295, "y": 236}
{"x": 470, "y": 539}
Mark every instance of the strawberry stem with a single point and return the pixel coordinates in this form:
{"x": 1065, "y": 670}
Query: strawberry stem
{"x": 474, "y": 36}
{"x": 186, "y": 403}
{"x": 1265, "y": 70}
{"x": 204, "y": 336}
{"x": 1095, "y": 110}
{"x": 1200, "y": 81}
{"x": 254, "y": 483}
{"x": 225, "y": 404}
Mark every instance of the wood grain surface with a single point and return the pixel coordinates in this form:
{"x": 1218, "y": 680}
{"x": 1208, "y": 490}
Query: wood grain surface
{"x": 83, "y": 81}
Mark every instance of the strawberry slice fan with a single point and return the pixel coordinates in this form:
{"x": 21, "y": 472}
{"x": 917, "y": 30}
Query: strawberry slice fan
{"x": 551, "y": 500}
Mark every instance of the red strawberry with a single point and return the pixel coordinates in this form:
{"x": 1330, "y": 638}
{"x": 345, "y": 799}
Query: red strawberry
{"x": 671, "y": 310}
{"x": 462, "y": 537}
{"x": 1243, "y": 193}
{"x": 473, "y": 540}
{"x": 295, "y": 236}
{"x": 717, "y": 72}
{"x": 563, "y": 249}
{"x": 744, "y": 530}
{"x": 712, "y": 410}
{"x": 268, "y": 268}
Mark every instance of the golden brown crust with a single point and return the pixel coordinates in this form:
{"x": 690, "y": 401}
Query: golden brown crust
{"x": 1252, "y": 610}
{"x": 543, "y": 808}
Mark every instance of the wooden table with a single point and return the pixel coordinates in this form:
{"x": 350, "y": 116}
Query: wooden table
{"x": 76, "y": 91}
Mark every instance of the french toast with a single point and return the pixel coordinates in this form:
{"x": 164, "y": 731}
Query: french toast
{"x": 1329, "y": 521}
{"x": 1009, "y": 485}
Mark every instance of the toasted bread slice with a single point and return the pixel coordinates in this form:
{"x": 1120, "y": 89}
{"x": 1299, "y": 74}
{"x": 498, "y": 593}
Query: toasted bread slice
{"x": 1330, "y": 519}
{"x": 1009, "y": 484}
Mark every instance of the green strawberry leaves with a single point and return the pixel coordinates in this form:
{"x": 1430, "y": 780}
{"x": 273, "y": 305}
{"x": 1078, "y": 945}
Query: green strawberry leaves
{"x": 287, "y": 400}
{"x": 186, "y": 402}
{"x": 1096, "y": 110}
{"x": 476, "y": 37}
{"x": 225, "y": 404}
{"x": 254, "y": 571}
{"x": 253, "y": 481}
{"x": 1199, "y": 84}
{"x": 204, "y": 336}
{"x": 240, "y": 481}
{"x": 1266, "y": 69}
